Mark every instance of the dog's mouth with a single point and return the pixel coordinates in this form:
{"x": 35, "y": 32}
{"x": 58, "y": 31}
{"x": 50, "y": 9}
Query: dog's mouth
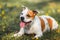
{"x": 23, "y": 24}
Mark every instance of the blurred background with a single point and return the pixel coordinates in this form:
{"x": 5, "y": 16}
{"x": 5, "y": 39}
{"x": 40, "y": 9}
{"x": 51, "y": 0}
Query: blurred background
{"x": 10, "y": 11}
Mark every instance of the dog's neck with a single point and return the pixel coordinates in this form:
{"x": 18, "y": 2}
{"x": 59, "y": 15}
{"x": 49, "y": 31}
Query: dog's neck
{"x": 34, "y": 20}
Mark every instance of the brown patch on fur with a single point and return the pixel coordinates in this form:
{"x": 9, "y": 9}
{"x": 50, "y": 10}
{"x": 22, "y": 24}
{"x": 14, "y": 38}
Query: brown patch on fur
{"x": 50, "y": 23}
{"x": 42, "y": 23}
{"x": 31, "y": 13}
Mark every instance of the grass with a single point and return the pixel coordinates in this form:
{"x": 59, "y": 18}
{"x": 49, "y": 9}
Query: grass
{"x": 10, "y": 12}
{"x": 52, "y": 35}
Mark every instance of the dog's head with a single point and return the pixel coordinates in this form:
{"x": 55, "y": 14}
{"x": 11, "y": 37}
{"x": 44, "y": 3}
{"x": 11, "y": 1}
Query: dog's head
{"x": 27, "y": 15}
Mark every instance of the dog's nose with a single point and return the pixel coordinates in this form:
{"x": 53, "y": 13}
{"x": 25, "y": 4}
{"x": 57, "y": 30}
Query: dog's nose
{"x": 22, "y": 18}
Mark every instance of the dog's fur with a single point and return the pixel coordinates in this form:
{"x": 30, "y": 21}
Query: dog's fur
{"x": 38, "y": 25}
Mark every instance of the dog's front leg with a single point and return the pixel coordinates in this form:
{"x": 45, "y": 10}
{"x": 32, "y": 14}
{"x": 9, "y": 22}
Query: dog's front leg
{"x": 20, "y": 33}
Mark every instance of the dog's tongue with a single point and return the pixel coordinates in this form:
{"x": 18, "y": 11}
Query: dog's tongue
{"x": 22, "y": 24}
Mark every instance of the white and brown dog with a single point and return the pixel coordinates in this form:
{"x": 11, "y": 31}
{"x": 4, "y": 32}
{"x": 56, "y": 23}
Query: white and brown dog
{"x": 31, "y": 23}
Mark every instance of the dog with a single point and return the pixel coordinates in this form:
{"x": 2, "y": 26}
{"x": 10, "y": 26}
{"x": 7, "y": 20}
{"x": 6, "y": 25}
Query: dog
{"x": 31, "y": 23}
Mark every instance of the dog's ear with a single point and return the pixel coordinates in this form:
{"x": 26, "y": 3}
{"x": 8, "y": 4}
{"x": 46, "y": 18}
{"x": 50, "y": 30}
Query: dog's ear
{"x": 24, "y": 7}
{"x": 35, "y": 12}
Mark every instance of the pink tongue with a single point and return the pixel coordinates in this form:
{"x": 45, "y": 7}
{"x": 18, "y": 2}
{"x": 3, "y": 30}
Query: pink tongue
{"x": 22, "y": 24}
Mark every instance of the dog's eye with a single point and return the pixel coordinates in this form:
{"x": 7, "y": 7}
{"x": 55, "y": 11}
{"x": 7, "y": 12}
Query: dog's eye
{"x": 28, "y": 15}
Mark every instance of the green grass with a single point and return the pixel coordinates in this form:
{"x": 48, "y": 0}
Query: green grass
{"x": 52, "y": 35}
{"x": 9, "y": 18}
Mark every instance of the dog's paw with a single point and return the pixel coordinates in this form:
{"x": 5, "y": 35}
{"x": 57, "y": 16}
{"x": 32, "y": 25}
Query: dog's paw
{"x": 14, "y": 35}
{"x": 17, "y": 35}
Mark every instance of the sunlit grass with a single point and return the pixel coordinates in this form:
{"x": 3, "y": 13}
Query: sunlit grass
{"x": 10, "y": 13}
{"x": 52, "y": 35}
